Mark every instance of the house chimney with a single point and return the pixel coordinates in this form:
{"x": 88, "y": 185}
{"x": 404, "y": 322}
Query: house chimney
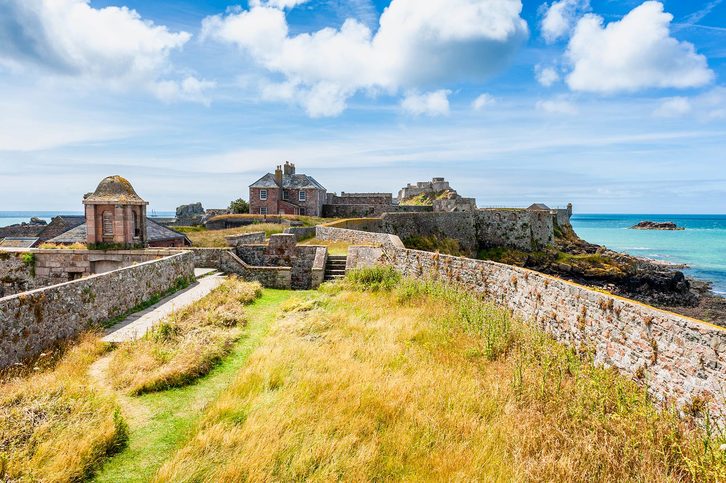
{"x": 278, "y": 176}
{"x": 289, "y": 168}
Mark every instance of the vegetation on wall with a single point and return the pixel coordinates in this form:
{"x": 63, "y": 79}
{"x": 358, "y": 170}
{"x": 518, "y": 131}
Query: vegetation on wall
{"x": 427, "y": 199}
{"x": 433, "y": 243}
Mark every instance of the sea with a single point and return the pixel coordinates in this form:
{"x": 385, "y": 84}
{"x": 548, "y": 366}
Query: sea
{"x": 701, "y": 246}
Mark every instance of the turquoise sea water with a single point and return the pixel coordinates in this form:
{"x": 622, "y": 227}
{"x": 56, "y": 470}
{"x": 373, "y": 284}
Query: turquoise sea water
{"x": 702, "y": 245}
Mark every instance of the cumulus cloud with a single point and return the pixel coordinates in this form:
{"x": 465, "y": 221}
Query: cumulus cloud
{"x": 483, "y": 101}
{"x": 673, "y": 107}
{"x": 69, "y": 37}
{"x": 633, "y": 53}
{"x": 277, "y": 3}
{"x": 431, "y": 103}
{"x": 419, "y": 45}
{"x": 557, "y": 106}
{"x": 560, "y": 17}
{"x": 710, "y": 105}
{"x": 546, "y": 76}
{"x": 188, "y": 89}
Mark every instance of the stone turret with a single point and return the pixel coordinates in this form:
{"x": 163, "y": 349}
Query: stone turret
{"x": 115, "y": 214}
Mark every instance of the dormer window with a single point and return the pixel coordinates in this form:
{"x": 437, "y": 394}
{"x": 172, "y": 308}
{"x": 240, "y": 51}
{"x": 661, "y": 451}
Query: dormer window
{"x": 301, "y": 196}
{"x": 263, "y": 195}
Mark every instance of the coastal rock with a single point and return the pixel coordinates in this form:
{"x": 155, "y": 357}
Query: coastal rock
{"x": 37, "y": 221}
{"x": 654, "y": 225}
{"x": 189, "y": 215}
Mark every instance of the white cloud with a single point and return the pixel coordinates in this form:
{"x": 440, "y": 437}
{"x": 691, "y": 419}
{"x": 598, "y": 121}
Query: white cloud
{"x": 483, "y": 101}
{"x": 673, "y": 107}
{"x": 634, "y": 53}
{"x": 188, "y": 89}
{"x": 419, "y": 45}
{"x": 431, "y": 103}
{"x": 560, "y": 17}
{"x": 546, "y": 76}
{"x": 277, "y": 3}
{"x": 111, "y": 45}
{"x": 557, "y": 106}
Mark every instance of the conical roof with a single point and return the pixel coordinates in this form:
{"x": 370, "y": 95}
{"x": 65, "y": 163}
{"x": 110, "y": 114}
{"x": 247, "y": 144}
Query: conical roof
{"x": 114, "y": 190}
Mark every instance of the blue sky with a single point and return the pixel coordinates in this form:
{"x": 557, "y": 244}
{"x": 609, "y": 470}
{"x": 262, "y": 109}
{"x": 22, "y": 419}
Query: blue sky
{"x": 616, "y": 106}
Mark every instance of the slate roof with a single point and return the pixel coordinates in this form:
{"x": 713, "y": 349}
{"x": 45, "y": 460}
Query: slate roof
{"x": 18, "y": 242}
{"x": 154, "y": 231}
{"x": 294, "y": 181}
{"x": 21, "y": 231}
{"x": 114, "y": 189}
{"x": 59, "y": 225}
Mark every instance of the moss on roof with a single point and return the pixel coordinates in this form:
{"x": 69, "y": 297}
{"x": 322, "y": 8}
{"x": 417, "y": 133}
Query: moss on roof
{"x": 114, "y": 189}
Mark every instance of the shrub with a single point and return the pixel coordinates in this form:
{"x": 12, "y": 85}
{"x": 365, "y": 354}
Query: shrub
{"x": 373, "y": 279}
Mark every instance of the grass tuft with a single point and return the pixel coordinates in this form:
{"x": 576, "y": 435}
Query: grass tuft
{"x": 187, "y": 344}
{"x": 54, "y": 426}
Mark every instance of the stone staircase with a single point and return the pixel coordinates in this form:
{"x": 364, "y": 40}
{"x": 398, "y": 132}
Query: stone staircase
{"x": 335, "y": 267}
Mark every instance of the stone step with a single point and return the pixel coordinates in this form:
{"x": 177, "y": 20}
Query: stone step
{"x": 338, "y": 257}
{"x": 336, "y": 264}
{"x": 335, "y": 272}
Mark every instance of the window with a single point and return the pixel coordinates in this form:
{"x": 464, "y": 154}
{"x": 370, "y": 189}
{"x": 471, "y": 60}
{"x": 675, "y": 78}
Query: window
{"x": 107, "y": 223}
{"x": 263, "y": 195}
{"x": 263, "y": 210}
{"x": 285, "y": 195}
{"x": 302, "y": 211}
{"x": 301, "y": 196}
{"x": 137, "y": 226}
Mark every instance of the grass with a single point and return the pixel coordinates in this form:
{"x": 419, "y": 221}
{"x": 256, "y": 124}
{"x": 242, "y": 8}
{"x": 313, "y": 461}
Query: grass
{"x": 446, "y": 245}
{"x": 216, "y": 238}
{"x": 57, "y": 246}
{"x": 383, "y": 378}
{"x": 305, "y": 220}
{"x": 334, "y": 247}
{"x": 54, "y": 426}
{"x": 426, "y": 199}
{"x": 185, "y": 345}
{"x": 160, "y": 422}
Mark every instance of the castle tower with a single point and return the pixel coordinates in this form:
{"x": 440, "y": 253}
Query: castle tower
{"x": 115, "y": 214}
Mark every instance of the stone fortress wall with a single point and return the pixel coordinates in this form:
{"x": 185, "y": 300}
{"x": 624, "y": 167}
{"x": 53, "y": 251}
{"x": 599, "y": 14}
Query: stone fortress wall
{"x": 34, "y": 321}
{"x": 677, "y": 358}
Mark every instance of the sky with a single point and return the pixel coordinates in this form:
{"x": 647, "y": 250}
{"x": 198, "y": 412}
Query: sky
{"x": 615, "y": 106}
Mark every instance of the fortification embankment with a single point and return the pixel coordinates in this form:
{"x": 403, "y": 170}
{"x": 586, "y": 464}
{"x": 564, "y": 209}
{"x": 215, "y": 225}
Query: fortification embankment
{"x": 679, "y": 359}
{"x": 31, "y": 322}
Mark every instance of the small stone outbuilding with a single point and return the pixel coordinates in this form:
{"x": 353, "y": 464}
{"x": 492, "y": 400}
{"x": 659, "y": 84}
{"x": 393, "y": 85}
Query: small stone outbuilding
{"x": 115, "y": 214}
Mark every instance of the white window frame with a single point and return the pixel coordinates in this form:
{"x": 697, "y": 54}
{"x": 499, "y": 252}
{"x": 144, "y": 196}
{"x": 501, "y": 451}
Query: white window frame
{"x": 263, "y": 195}
{"x": 263, "y": 210}
{"x": 302, "y": 196}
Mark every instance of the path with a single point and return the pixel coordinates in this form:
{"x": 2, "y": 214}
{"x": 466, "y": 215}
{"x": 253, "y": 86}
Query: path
{"x": 138, "y": 324}
{"x": 159, "y": 423}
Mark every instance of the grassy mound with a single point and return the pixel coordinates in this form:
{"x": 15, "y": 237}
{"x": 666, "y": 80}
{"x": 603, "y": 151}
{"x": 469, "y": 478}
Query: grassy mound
{"x": 203, "y": 238}
{"x": 186, "y": 345}
{"x": 382, "y": 378}
{"x": 54, "y": 426}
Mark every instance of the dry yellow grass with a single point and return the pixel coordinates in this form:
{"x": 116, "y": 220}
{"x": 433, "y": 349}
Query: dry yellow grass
{"x": 54, "y": 426}
{"x": 216, "y": 238}
{"x": 187, "y": 344}
{"x": 56, "y": 246}
{"x": 334, "y": 247}
{"x": 426, "y": 383}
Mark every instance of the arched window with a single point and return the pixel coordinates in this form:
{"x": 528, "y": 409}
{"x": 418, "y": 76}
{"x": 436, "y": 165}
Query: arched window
{"x": 107, "y": 223}
{"x": 137, "y": 226}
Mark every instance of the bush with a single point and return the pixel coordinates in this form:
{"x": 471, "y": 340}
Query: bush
{"x": 373, "y": 279}
{"x": 239, "y": 207}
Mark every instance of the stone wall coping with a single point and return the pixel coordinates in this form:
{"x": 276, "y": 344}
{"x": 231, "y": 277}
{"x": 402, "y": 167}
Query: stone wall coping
{"x": 60, "y": 251}
{"x": 87, "y": 279}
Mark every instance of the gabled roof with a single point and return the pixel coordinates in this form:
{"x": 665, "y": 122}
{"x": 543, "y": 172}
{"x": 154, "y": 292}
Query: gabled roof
{"x": 294, "y": 181}
{"x": 59, "y": 225}
{"x": 154, "y": 231}
{"x": 21, "y": 231}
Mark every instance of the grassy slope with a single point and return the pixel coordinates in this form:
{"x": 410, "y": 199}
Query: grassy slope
{"x": 425, "y": 384}
{"x": 160, "y": 422}
{"x": 203, "y": 238}
{"x": 334, "y": 248}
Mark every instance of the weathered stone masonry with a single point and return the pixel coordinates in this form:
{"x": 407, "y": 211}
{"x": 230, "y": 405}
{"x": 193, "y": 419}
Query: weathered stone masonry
{"x": 34, "y": 321}
{"x": 678, "y": 358}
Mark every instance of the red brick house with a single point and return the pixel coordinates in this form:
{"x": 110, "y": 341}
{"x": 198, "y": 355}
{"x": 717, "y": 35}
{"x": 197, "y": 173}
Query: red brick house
{"x": 287, "y": 193}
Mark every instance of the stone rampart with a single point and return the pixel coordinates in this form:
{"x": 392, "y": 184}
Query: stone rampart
{"x": 679, "y": 359}
{"x": 245, "y": 239}
{"x": 227, "y": 261}
{"x": 28, "y": 269}
{"x": 365, "y": 210}
{"x": 34, "y": 321}
{"x": 301, "y": 232}
{"x": 356, "y": 236}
